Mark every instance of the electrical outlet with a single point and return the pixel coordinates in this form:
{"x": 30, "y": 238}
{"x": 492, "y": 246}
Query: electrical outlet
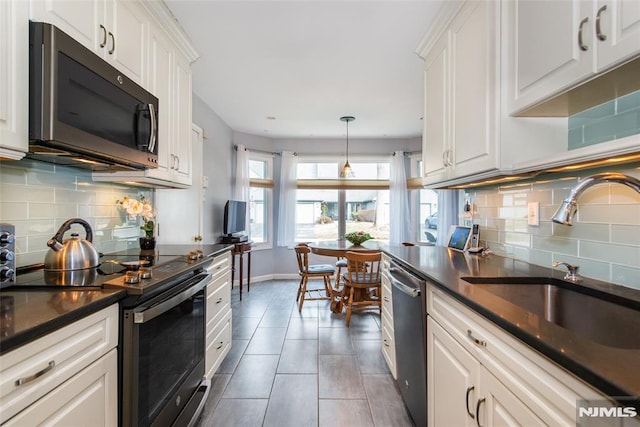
{"x": 533, "y": 213}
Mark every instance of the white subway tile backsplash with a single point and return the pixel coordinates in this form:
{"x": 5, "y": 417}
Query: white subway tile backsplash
{"x": 604, "y": 240}
{"x": 39, "y": 197}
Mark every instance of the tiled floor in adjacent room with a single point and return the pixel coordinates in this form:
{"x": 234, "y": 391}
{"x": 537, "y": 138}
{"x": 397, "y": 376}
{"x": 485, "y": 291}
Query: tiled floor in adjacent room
{"x": 301, "y": 369}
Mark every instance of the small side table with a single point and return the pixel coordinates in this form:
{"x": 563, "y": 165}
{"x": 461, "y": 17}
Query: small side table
{"x": 241, "y": 249}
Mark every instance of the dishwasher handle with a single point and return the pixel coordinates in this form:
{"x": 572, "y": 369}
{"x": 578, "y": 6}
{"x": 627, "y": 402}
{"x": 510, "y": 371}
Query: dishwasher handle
{"x": 412, "y": 291}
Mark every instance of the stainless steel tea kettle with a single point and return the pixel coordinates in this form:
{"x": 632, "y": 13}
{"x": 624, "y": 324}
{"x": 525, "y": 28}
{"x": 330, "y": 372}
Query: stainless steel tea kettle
{"x": 74, "y": 253}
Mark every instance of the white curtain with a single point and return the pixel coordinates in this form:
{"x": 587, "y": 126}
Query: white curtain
{"x": 400, "y": 229}
{"x": 287, "y": 203}
{"x": 241, "y": 190}
{"x": 448, "y": 213}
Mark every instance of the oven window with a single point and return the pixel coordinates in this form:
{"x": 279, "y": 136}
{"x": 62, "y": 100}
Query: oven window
{"x": 170, "y": 346}
{"x": 89, "y": 102}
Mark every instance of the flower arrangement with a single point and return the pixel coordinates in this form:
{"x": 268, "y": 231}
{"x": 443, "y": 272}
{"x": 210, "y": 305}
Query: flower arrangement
{"x": 358, "y": 237}
{"x": 140, "y": 208}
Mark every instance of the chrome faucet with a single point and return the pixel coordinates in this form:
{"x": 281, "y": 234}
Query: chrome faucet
{"x": 572, "y": 273}
{"x": 568, "y": 208}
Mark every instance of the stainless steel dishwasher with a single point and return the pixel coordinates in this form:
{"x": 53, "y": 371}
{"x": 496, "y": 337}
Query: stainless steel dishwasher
{"x": 410, "y": 326}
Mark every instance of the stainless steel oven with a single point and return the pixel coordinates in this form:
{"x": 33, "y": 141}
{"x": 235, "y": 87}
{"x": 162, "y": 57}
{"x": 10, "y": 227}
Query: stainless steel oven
{"x": 163, "y": 352}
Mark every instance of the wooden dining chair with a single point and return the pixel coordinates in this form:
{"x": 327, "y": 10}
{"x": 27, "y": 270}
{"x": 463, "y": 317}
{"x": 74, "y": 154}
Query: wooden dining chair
{"x": 362, "y": 282}
{"x": 306, "y": 272}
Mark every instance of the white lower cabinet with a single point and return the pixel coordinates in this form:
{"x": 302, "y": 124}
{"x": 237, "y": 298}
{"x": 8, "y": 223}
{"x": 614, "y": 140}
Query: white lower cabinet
{"x": 388, "y": 337}
{"x": 88, "y": 398}
{"x": 218, "y": 329}
{"x": 68, "y": 377}
{"x": 479, "y": 375}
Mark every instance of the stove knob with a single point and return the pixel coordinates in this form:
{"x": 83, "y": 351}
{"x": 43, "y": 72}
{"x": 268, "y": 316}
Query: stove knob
{"x": 6, "y": 274}
{"x": 6, "y": 238}
{"x": 6, "y": 256}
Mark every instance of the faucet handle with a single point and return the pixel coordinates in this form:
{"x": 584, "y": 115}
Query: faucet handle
{"x": 572, "y": 273}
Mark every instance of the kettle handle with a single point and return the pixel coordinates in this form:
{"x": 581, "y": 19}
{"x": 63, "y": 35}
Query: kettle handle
{"x": 67, "y": 225}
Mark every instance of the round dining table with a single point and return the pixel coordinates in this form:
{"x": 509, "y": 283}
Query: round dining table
{"x": 338, "y": 248}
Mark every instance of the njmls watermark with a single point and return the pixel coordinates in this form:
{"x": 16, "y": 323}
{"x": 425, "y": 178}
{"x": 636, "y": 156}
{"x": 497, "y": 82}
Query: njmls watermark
{"x": 608, "y": 413}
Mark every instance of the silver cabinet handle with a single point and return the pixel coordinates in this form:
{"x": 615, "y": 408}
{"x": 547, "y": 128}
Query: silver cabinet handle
{"x": 444, "y": 158}
{"x": 21, "y": 381}
{"x": 480, "y": 402}
{"x": 583, "y": 46}
{"x": 220, "y": 344}
{"x": 113, "y": 43}
{"x": 601, "y": 36}
{"x": 219, "y": 300}
{"x": 386, "y": 343}
{"x": 466, "y": 401}
{"x": 450, "y": 158}
{"x": 481, "y": 343}
{"x": 104, "y": 36}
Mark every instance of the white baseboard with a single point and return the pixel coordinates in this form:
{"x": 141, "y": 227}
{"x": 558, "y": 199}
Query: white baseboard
{"x": 265, "y": 277}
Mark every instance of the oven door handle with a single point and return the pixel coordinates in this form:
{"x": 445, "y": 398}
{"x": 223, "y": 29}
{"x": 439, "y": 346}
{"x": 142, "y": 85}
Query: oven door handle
{"x": 200, "y": 281}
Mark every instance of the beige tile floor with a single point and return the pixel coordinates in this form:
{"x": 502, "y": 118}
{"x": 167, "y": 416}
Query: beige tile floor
{"x": 288, "y": 368}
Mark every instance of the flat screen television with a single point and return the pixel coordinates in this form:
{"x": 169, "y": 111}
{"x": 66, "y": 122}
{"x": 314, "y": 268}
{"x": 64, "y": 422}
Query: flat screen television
{"x": 235, "y": 215}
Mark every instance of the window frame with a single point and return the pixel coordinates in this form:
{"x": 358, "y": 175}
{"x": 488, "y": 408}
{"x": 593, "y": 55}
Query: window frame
{"x": 268, "y": 185}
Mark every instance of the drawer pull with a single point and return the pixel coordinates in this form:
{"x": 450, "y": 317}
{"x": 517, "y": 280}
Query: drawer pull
{"x": 386, "y": 299}
{"x": 386, "y": 343}
{"x": 481, "y": 343}
{"x": 480, "y": 402}
{"x": 219, "y": 300}
{"x": 21, "y": 381}
{"x": 466, "y": 403}
{"x": 220, "y": 345}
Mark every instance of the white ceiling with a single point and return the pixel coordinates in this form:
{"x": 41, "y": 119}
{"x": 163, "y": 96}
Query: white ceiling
{"x": 307, "y": 63}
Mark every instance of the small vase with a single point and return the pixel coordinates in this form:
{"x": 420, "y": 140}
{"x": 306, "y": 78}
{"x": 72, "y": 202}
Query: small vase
{"x": 147, "y": 242}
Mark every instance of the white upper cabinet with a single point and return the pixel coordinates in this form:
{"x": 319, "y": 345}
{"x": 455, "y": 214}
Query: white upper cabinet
{"x": 14, "y": 89}
{"x": 459, "y": 96}
{"x": 559, "y": 45}
{"x": 114, "y": 29}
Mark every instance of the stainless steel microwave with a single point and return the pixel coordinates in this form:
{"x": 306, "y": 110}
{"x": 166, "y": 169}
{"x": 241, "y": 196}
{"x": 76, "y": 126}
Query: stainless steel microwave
{"x": 83, "y": 112}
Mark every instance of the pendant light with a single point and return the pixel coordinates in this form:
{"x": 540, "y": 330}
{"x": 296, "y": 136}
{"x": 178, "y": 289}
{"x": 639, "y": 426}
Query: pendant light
{"x": 346, "y": 171}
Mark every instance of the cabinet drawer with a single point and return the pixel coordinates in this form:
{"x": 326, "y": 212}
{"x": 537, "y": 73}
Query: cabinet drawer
{"x": 92, "y": 394}
{"x": 387, "y": 302}
{"x": 218, "y": 345}
{"x": 221, "y": 265}
{"x": 389, "y": 347}
{"x": 33, "y": 370}
{"x": 218, "y": 300}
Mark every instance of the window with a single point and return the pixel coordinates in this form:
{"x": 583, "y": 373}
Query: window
{"x": 261, "y": 196}
{"x": 328, "y": 207}
{"x": 425, "y": 202}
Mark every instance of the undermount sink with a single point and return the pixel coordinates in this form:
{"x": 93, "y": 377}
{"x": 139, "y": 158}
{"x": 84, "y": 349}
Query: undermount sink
{"x": 599, "y": 317}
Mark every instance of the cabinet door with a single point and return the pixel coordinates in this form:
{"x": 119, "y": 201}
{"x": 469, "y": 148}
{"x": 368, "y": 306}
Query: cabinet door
{"x": 127, "y": 38}
{"x": 14, "y": 38}
{"x": 453, "y": 379}
{"x": 473, "y": 100}
{"x": 88, "y": 398}
{"x": 501, "y": 407}
{"x": 620, "y": 24}
{"x": 160, "y": 77}
{"x": 82, "y": 20}
{"x": 435, "y": 140}
{"x": 546, "y": 56}
{"x": 182, "y": 146}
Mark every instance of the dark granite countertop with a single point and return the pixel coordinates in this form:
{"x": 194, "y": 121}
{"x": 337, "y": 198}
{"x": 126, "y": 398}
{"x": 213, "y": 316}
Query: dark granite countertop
{"x": 30, "y": 313}
{"x": 608, "y": 359}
